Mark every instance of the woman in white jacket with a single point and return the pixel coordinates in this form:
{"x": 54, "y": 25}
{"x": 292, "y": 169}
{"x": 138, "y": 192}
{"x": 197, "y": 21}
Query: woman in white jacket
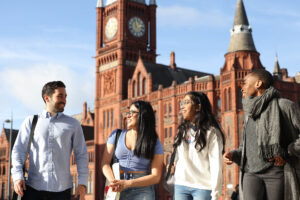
{"x": 199, "y": 145}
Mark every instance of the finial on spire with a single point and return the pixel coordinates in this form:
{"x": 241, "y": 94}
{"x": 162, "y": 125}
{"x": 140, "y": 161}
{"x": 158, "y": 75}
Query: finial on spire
{"x": 240, "y": 17}
{"x": 277, "y": 71}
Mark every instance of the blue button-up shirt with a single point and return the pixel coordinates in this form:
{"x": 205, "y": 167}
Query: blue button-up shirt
{"x": 49, "y": 156}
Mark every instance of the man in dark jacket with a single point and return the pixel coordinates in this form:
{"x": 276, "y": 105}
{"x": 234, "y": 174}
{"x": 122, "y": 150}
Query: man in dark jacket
{"x": 268, "y": 155}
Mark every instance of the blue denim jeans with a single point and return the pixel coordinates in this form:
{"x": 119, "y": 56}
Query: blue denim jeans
{"x": 137, "y": 193}
{"x": 187, "y": 193}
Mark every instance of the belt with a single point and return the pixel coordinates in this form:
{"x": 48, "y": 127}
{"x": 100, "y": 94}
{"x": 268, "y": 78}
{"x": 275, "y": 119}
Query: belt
{"x": 131, "y": 172}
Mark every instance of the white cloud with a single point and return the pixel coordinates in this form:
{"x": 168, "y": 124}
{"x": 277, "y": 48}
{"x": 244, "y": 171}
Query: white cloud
{"x": 19, "y": 54}
{"x": 191, "y": 17}
{"x": 25, "y": 85}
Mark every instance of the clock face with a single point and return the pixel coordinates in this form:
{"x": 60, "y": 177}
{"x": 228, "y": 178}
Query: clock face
{"x": 111, "y": 28}
{"x": 136, "y": 26}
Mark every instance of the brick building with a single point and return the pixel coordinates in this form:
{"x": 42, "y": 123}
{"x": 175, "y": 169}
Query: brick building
{"x": 86, "y": 119}
{"x": 4, "y": 160}
{"x": 126, "y": 70}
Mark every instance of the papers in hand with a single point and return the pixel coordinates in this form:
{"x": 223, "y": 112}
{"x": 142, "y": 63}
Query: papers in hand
{"x": 110, "y": 194}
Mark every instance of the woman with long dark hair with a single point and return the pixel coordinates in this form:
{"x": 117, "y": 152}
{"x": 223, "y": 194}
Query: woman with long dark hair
{"x": 199, "y": 147}
{"x": 139, "y": 152}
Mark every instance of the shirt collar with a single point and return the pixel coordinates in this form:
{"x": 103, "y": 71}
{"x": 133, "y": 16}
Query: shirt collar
{"x": 46, "y": 114}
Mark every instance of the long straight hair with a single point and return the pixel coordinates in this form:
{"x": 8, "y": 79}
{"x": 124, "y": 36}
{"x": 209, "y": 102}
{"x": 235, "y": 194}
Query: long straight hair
{"x": 204, "y": 120}
{"x": 146, "y": 134}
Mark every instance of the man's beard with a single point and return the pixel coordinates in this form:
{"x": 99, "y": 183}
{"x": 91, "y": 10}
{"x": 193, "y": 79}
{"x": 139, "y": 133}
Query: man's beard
{"x": 58, "y": 108}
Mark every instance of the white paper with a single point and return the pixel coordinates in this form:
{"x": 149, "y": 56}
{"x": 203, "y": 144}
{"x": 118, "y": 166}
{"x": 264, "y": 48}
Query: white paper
{"x": 110, "y": 194}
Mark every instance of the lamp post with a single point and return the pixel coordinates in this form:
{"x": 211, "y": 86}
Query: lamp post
{"x": 9, "y": 155}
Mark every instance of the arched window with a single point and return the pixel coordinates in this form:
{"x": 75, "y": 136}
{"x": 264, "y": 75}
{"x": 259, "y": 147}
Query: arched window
{"x": 171, "y": 131}
{"x": 140, "y": 81}
{"x": 108, "y": 119}
{"x": 134, "y": 89}
{"x": 225, "y": 100}
{"x": 166, "y": 132}
{"x": 3, "y": 191}
{"x": 240, "y": 101}
{"x": 112, "y": 118}
{"x": 144, "y": 86}
{"x": 104, "y": 119}
{"x": 229, "y": 99}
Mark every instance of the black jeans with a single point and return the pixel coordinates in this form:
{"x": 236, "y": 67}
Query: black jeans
{"x": 33, "y": 194}
{"x": 266, "y": 185}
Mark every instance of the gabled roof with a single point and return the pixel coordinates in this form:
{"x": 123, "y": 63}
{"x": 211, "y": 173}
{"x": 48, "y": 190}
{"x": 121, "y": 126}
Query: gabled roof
{"x": 14, "y": 135}
{"x": 165, "y": 75}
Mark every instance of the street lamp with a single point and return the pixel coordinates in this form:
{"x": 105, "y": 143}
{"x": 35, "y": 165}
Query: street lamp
{"x": 9, "y": 155}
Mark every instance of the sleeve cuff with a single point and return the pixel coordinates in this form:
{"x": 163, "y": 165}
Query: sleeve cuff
{"x": 83, "y": 181}
{"x": 16, "y": 177}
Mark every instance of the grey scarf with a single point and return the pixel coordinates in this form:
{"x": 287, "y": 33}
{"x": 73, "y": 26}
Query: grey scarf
{"x": 265, "y": 111}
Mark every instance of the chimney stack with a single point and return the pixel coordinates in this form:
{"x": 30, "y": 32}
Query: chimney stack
{"x": 172, "y": 60}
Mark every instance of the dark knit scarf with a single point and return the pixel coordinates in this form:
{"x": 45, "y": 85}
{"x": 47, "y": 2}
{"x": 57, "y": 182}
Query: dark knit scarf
{"x": 265, "y": 111}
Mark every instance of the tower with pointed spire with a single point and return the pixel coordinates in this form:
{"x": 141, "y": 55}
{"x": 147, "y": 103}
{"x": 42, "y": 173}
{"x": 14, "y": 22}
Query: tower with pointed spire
{"x": 126, "y": 29}
{"x": 240, "y": 59}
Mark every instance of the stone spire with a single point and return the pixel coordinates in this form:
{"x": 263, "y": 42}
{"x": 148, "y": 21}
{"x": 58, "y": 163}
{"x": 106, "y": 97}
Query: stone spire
{"x": 241, "y": 36}
{"x": 99, "y": 4}
{"x": 277, "y": 71}
{"x": 152, "y": 2}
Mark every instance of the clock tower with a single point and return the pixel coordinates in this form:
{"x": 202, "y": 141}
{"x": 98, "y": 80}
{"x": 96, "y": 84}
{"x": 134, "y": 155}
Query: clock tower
{"x": 126, "y": 30}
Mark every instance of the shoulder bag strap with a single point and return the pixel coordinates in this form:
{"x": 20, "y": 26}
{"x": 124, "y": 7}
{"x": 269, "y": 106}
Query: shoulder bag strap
{"x": 33, "y": 125}
{"x": 171, "y": 163}
{"x": 118, "y": 133}
{"x": 114, "y": 159}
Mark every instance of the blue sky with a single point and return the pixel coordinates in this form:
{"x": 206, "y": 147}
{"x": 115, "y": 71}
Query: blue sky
{"x": 42, "y": 41}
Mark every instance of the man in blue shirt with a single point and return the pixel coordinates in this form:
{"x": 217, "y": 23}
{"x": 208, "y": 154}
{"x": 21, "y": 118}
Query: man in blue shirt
{"x": 55, "y": 136}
